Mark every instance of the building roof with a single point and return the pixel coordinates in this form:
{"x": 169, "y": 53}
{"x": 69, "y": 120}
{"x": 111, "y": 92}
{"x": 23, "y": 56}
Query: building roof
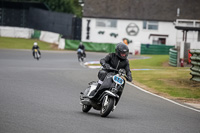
{"x": 154, "y": 10}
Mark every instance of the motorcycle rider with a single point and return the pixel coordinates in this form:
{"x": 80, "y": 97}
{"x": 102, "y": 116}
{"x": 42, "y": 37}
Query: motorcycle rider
{"x": 82, "y": 47}
{"x": 117, "y": 60}
{"x": 35, "y": 46}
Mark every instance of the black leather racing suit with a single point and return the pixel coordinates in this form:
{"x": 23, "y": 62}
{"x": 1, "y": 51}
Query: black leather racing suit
{"x": 115, "y": 62}
{"x": 83, "y": 48}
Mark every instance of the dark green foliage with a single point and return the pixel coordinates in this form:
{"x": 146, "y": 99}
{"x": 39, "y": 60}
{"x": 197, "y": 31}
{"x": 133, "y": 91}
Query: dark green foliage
{"x": 66, "y": 6}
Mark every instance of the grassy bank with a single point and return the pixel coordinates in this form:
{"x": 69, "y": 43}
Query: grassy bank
{"x": 165, "y": 80}
{"x": 20, "y": 43}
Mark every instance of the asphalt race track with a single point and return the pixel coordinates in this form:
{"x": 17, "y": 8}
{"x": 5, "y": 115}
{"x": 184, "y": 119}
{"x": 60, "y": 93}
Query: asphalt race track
{"x": 43, "y": 97}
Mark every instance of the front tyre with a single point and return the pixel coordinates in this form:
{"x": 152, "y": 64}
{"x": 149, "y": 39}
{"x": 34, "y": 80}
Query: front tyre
{"x": 107, "y": 106}
{"x": 86, "y": 108}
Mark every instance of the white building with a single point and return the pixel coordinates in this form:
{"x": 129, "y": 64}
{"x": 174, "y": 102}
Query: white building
{"x": 136, "y": 31}
{"x": 139, "y": 21}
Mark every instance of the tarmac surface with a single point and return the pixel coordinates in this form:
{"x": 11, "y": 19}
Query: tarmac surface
{"x": 43, "y": 97}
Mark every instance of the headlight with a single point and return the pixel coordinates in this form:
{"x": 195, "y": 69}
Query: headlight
{"x": 114, "y": 90}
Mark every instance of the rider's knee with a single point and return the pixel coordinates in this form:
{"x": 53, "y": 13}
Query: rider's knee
{"x": 102, "y": 74}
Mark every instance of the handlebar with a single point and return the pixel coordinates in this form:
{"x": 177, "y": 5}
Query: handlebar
{"x": 110, "y": 69}
{"x": 121, "y": 71}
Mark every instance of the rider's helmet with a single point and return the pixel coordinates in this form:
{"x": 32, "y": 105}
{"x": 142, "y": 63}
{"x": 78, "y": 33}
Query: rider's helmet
{"x": 35, "y": 43}
{"x": 122, "y": 50}
{"x": 81, "y": 43}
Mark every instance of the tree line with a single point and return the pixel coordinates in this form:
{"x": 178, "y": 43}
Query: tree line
{"x": 66, "y": 6}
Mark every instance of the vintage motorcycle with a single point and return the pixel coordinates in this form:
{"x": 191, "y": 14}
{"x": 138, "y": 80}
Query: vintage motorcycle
{"x": 36, "y": 54}
{"x": 107, "y": 96}
{"x": 80, "y": 55}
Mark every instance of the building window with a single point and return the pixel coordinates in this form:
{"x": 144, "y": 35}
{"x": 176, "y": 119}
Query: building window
{"x": 162, "y": 40}
{"x": 198, "y": 38}
{"x": 197, "y": 24}
{"x": 155, "y": 41}
{"x": 106, "y": 23}
{"x": 159, "y": 41}
{"x": 150, "y": 25}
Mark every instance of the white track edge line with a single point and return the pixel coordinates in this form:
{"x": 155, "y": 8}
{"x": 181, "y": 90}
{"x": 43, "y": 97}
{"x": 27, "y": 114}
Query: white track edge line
{"x": 163, "y": 98}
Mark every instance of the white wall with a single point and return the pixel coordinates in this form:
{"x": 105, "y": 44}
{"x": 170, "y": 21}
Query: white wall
{"x": 50, "y": 37}
{"x": 16, "y": 32}
{"x": 165, "y": 28}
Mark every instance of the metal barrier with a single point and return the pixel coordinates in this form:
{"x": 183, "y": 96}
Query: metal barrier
{"x": 195, "y": 61}
{"x": 155, "y": 49}
{"x": 91, "y": 46}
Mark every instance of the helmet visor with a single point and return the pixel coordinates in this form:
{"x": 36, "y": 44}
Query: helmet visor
{"x": 123, "y": 54}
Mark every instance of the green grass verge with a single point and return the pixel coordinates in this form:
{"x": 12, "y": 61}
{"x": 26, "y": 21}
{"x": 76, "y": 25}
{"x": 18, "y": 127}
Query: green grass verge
{"x": 173, "y": 81}
{"x": 21, "y": 43}
{"x": 163, "y": 79}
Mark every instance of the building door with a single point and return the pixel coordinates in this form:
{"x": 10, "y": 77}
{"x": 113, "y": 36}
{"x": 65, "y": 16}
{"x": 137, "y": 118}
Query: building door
{"x": 162, "y": 40}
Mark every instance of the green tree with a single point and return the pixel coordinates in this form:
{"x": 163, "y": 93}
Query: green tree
{"x": 67, "y": 6}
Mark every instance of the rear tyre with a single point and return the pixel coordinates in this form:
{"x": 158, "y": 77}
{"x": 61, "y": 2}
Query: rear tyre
{"x": 86, "y": 108}
{"x": 107, "y": 106}
{"x": 82, "y": 59}
{"x": 35, "y": 55}
{"x": 79, "y": 58}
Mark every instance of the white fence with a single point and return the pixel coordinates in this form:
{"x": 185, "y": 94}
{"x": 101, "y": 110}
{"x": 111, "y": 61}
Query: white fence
{"x": 15, "y": 32}
{"x": 45, "y": 36}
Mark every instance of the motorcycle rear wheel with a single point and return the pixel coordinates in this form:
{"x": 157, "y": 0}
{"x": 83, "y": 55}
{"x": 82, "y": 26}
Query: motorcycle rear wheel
{"x": 86, "y": 108}
{"x": 106, "y": 109}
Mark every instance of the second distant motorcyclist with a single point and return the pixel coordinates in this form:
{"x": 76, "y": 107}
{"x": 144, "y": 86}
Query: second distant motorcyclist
{"x": 82, "y": 47}
{"x": 35, "y": 46}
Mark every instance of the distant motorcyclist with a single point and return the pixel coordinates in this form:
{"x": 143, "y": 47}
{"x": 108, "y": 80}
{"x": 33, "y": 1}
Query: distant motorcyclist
{"x": 117, "y": 60}
{"x": 35, "y": 46}
{"x": 82, "y": 47}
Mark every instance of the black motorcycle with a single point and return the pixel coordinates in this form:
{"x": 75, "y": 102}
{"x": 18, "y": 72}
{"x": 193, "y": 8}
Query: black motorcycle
{"x": 80, "y": 55}
{"x": 107, "y": 96}
{"x": 36, "y": 54}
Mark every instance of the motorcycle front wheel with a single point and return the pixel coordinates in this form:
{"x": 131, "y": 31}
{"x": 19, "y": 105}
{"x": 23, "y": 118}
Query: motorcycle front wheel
{"x": 107, "y": 106}
{"x": 86, "y": 108}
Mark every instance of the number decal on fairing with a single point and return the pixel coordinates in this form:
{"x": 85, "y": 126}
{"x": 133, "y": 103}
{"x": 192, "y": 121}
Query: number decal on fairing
{"x": 118, "y": 80}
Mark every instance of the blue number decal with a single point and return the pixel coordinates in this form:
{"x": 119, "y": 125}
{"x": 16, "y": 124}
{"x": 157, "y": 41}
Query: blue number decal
{"x": 118, "y": 80}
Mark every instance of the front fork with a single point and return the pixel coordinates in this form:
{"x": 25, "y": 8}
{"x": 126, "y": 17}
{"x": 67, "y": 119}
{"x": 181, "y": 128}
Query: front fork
{"x": 105, "y": 102}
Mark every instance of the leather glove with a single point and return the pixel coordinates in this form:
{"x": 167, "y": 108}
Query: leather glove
{"x": 128, "y": 78}
{"x": 107, "y": 66}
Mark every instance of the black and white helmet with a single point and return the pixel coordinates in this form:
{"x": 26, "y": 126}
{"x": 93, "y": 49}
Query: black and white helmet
{"x": 122, "y": 50}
